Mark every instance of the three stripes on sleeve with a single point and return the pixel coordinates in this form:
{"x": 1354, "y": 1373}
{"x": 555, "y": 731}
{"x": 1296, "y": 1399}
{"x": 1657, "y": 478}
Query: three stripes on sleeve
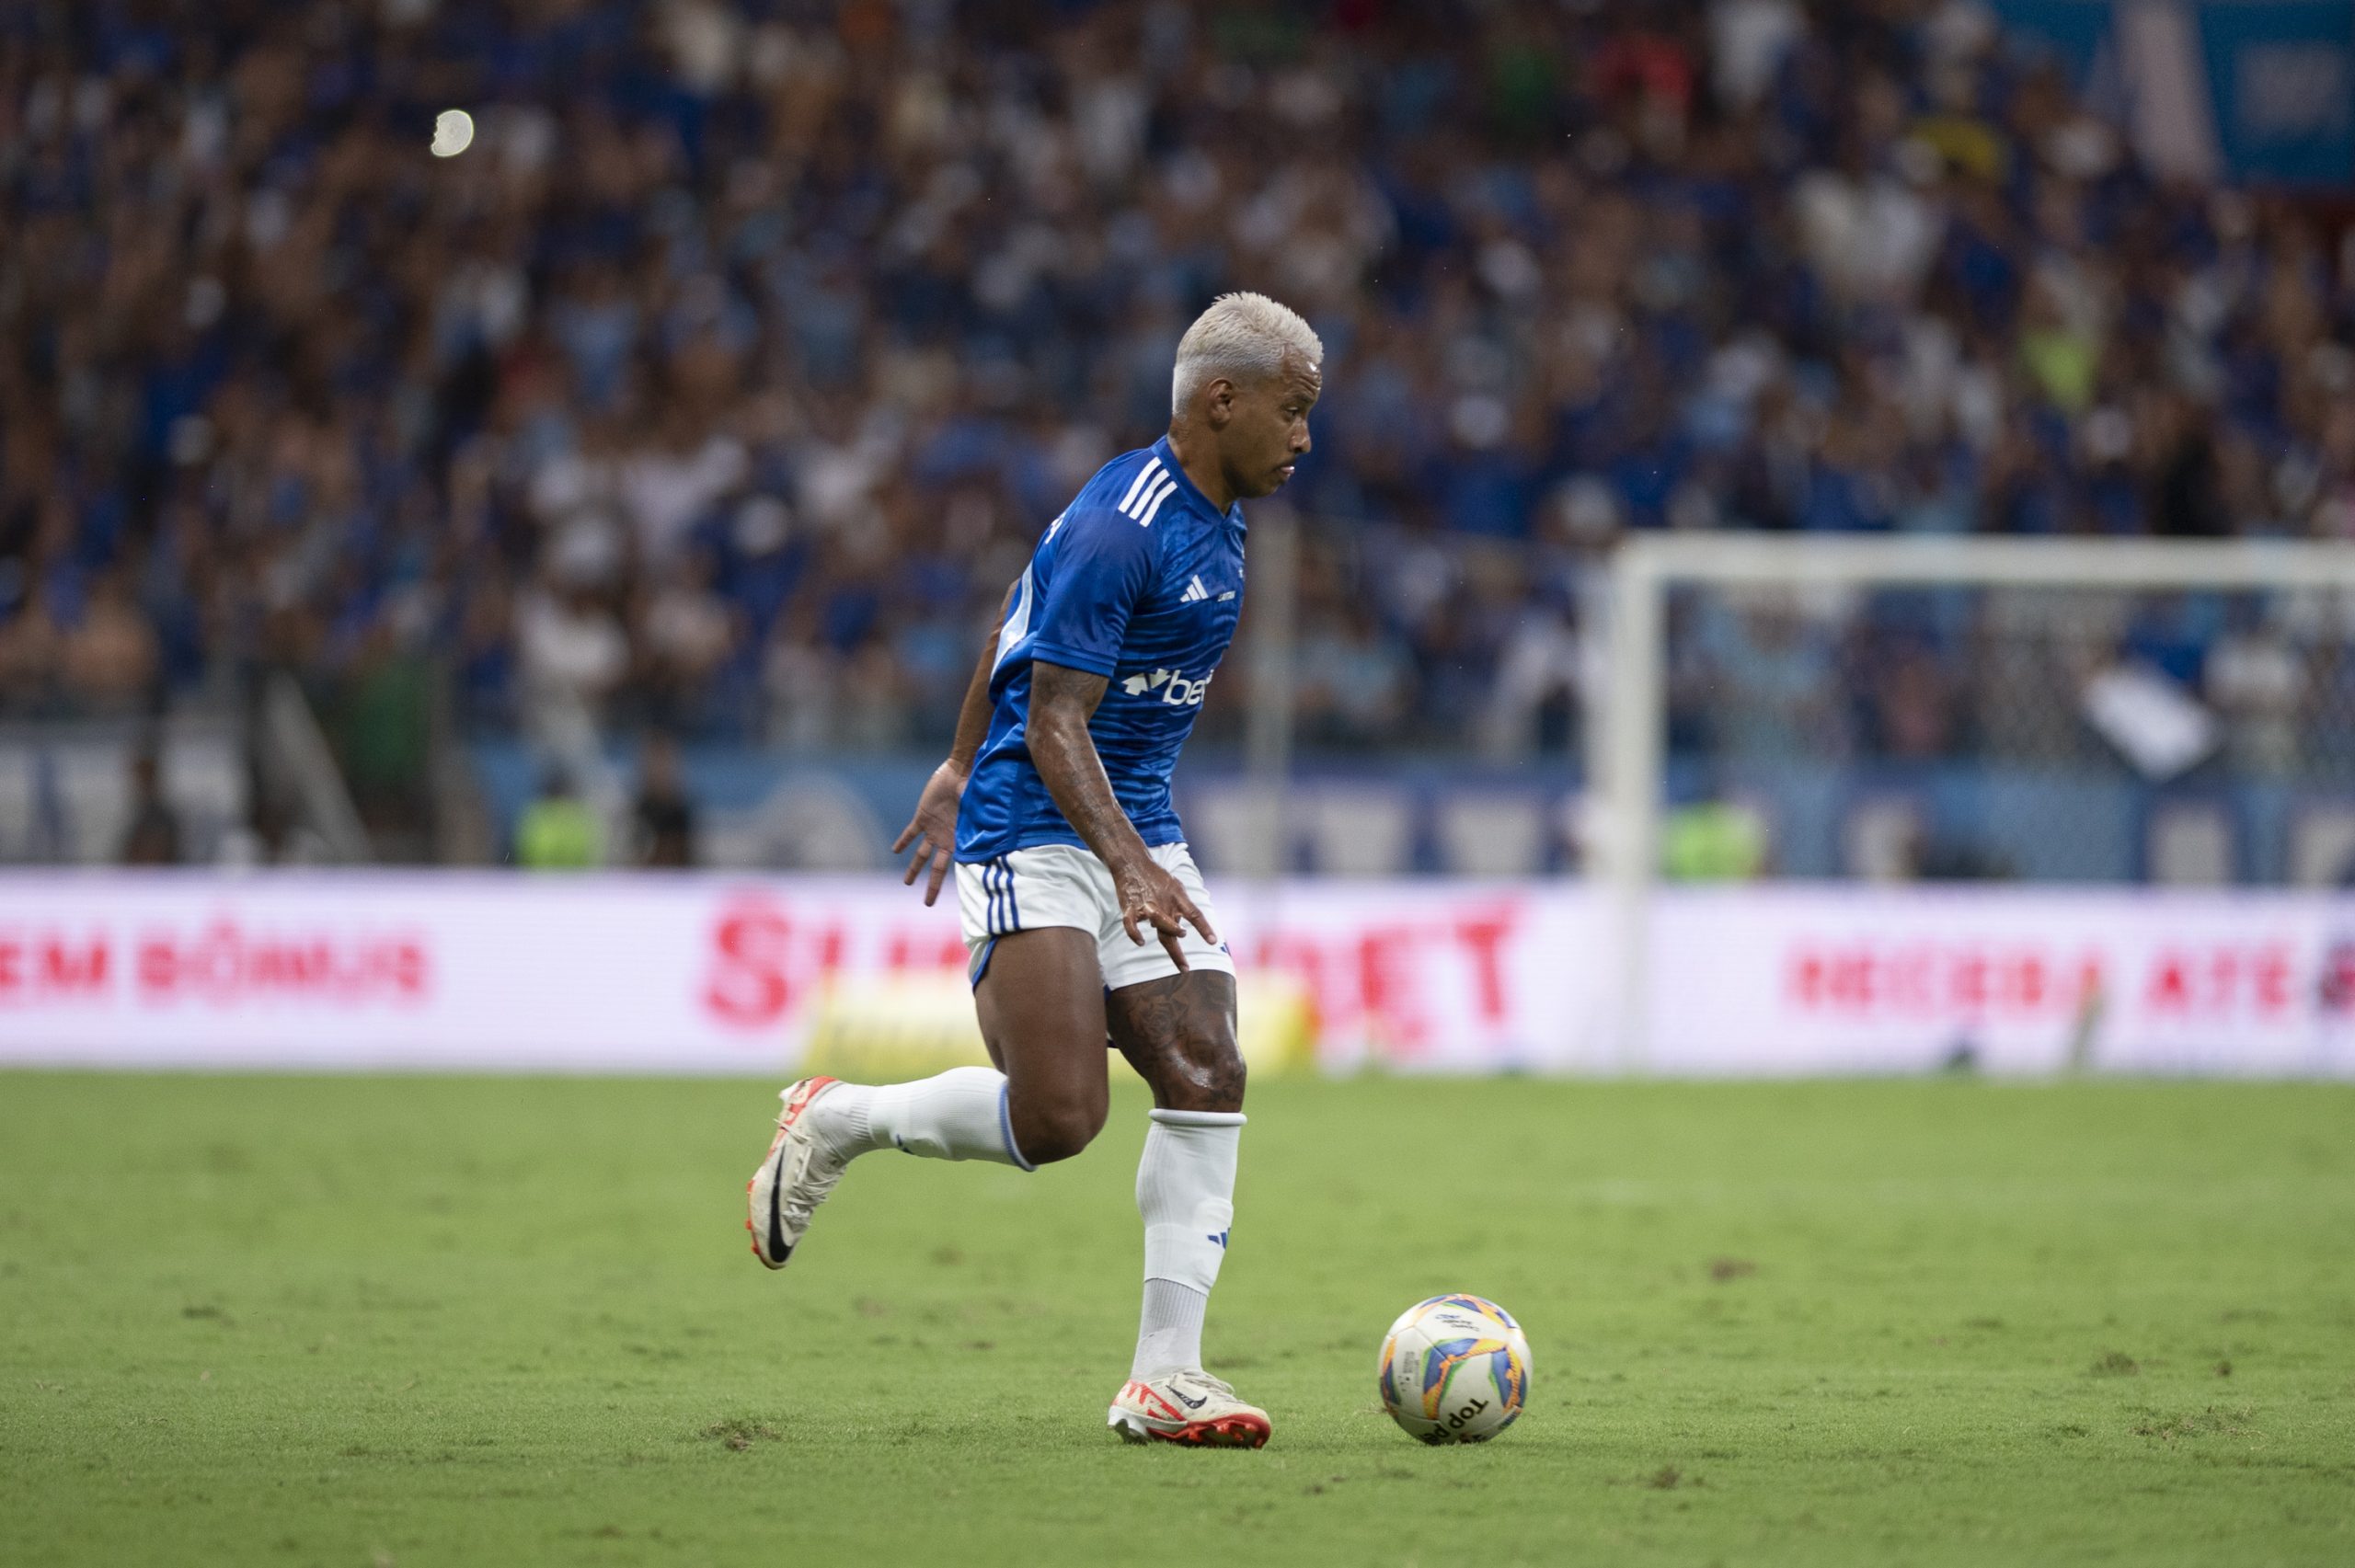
{"x": 1151, "y": 486}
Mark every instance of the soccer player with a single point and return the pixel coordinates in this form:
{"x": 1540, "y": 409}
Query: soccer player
{"x": 1083, "y": 913}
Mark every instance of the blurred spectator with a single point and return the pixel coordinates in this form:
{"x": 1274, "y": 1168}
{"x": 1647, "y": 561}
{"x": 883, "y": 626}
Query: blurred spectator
{"x": 109, "y": 660}
{"x": 665, "y": 816}
{"x": 2256, "y": 679}
{"x": 154, "y": 836}
{"x": 559, "y": 831}
{"x": 689, "y": 632}
{"x": 1355, "y": 684}
{"x": 573, "y": 651}
{"x": 378, "y": 717}
{"x": 1771, "y": 669}
{"x": 1713, "y": 841}
{"x": 1911, "y": 708}
{"x": 30, "y": 657}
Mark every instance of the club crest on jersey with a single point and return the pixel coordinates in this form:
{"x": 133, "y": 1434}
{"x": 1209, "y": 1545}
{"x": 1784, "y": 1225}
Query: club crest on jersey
{"x": 1176, "y": 691}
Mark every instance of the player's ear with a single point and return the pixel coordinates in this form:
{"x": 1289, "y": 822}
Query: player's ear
{"x": 1220, "y": 407}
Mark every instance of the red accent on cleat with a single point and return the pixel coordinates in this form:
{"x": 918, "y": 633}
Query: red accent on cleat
{"x": 1162, "y": 1407}
{"x": 1228, "y": 1431}
{"x": 806, "y": 1091}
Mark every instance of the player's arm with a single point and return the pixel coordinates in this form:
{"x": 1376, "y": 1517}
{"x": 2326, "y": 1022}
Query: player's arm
{"x": 932, "y": 829}
{"x": 1062, "y": 701}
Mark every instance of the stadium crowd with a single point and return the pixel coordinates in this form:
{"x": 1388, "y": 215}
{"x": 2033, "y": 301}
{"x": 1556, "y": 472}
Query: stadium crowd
{"x": 722, "y": 383}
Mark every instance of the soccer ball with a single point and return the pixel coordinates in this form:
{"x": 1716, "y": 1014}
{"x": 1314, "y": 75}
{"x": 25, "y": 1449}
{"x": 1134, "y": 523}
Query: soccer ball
{"x": 1454, "y": 1369}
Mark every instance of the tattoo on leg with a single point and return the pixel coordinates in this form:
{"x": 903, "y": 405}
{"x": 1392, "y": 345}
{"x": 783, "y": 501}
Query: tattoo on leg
{"x": 1179, "y": 1033}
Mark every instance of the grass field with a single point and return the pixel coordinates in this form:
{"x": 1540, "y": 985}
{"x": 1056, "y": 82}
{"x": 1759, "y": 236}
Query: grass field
{"x": 353, "y": 1322}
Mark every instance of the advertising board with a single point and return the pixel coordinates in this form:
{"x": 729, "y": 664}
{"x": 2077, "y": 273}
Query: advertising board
{"x": 707, "y": 974}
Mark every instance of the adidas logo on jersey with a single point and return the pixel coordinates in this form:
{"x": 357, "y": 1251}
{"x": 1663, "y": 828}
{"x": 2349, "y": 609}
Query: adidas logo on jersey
{"x": 1176, "y": 691}
{"x": 1195, "y": 593}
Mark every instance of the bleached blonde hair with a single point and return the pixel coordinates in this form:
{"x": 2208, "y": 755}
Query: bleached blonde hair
{"x": 1241, "y": 337}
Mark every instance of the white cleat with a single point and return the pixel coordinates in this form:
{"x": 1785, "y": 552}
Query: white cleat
{"x": 795, "y": 1177}
{"x": 1190, "y": 1407}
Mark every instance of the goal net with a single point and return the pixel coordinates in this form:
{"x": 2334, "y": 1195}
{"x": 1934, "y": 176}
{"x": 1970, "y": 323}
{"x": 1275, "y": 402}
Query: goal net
{"x": 2038, "y": 713}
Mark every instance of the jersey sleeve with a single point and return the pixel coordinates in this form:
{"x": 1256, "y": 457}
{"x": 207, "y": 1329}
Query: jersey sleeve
{"x": 1102, "y": 568}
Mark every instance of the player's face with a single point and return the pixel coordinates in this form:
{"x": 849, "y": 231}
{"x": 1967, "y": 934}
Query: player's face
{"x": 1268, "y": 431}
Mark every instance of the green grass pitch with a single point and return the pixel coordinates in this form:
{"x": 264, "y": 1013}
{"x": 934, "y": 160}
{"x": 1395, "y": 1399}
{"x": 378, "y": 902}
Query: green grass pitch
{"x": 357, "y": 1321}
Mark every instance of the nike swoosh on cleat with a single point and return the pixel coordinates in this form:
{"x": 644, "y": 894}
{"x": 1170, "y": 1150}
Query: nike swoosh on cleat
{"x": 777, "y": 1249}
{"x": 1190, "y": 1403}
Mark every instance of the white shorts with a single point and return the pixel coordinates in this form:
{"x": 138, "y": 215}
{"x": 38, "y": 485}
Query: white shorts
{"x": 1063, "y": 885}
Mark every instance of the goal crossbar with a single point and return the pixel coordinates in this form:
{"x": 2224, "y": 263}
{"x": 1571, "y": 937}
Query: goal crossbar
{"x": 1816, "y": 561}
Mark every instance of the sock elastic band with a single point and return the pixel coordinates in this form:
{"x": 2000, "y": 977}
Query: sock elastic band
{"x": 1005, "y": 1126}
{"x": 1199, "y": 1118}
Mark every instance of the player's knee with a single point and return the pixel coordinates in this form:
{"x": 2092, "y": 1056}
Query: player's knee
{"x": 1048, "y": 1129}
{"x": 1214, "y": 1081}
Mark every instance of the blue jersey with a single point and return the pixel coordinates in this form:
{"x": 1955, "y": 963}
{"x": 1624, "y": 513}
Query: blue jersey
{"x": 1139, "y": 580}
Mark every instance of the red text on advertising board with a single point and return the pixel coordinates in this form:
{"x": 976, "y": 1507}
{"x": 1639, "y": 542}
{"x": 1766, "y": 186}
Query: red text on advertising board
{"x": 765, "y": 962}
{"x": 1382, "y": 978}
{"x": 52, "y": 965}
{"x": 1930, "y": 979}
{"x": 225, "y": 962}
{"x": 2222, "y": 979}
{"x": 222, "y": 961}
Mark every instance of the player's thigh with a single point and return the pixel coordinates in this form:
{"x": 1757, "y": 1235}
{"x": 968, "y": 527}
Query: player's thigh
{"x": 1129, "y": 962}
{"x": 1179, "y": 1033}
{"x": 1031, "y": 926}
{"x": 1041, "y": 1007}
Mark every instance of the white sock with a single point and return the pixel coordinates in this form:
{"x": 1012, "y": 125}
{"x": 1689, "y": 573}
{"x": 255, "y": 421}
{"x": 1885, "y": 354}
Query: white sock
{"x": 1185, "y": 1195}
{"x": 957, "y": 1115}
{"x": 1170, "y": 1334}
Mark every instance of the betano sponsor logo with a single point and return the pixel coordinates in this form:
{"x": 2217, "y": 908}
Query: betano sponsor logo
{"x": 1176, "y": 690}
{"x": 1409, "y": 978}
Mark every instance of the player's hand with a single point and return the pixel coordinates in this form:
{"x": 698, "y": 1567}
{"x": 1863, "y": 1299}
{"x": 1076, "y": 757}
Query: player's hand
{"x": 1151, "y": 896}
{"x": 932, "y": 829}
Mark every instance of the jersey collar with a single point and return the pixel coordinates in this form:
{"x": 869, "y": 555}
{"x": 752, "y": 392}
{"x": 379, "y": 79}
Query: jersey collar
{"x": 1234, "y": 514}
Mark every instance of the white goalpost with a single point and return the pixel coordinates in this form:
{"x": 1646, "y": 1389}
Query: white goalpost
{"x": 1628, "y": 748}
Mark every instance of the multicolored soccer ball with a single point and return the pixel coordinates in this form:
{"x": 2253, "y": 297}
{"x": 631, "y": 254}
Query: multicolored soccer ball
{"x": 1454, "y": 1369}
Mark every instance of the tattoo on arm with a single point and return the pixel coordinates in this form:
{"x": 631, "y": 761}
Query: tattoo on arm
{"x": 1062, "y": 701}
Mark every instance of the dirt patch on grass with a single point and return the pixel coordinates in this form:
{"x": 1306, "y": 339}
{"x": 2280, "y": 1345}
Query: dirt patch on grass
{"x": 2115, "y": 1364}
{"x": 739, "y": 1433}
{"x": 2209, "y": 1422}
{"x": 1724, "y": 1270}
{"x": 1667, "y": 1478}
